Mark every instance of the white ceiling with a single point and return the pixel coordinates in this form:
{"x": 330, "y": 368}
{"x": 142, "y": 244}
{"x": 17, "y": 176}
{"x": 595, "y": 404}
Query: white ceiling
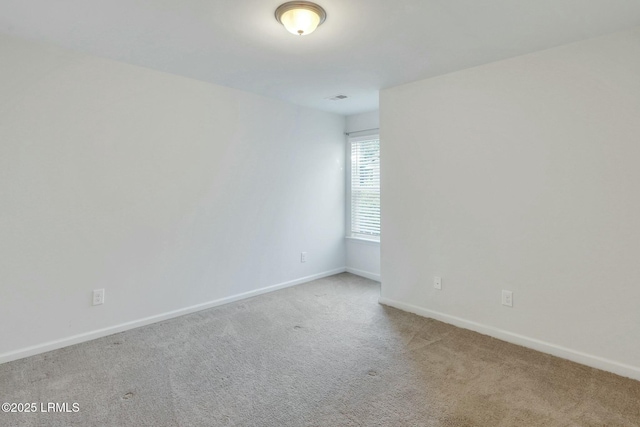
{"x": 364, "y": 46}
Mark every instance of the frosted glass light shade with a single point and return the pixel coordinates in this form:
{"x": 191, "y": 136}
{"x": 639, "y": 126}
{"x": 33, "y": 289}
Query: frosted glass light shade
{"x": 300, "y": 21}
{"x": 300, "y": 17}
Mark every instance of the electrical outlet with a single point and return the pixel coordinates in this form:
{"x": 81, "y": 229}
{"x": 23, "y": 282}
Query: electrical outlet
{"x": 507, "y": 298}
{"x": 303, "y": 257}
{"x": 98, "y": 296}
{"x": 437, "y": 282}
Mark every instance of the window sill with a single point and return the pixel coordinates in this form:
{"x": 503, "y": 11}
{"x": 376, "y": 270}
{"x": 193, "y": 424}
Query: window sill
{"x": 363, "y": 240}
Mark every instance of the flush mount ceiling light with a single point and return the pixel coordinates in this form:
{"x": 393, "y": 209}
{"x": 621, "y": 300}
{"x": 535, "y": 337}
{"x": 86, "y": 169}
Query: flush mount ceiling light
{"x": 300, "y": 17}
{"x": 337, "y": 97}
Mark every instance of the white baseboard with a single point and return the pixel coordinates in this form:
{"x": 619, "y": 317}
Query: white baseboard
{"x": 542, "y": 346}
{"x": 367, "y": 274}
{"x": 88, "y": 336}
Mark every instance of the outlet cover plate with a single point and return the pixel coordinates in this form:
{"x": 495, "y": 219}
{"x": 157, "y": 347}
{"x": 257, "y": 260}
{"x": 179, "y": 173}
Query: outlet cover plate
{"x": 507, "y": 298}
{"x": 98, "y": 296}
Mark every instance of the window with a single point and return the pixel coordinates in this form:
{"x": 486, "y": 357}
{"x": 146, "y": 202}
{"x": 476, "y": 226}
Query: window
{"x": 365, "y": 187}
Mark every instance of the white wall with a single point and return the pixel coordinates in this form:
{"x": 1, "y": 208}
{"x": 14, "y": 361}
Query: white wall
{"x": 363, "y": 121}
{"x": 522, "y": 175}
{"x": 167, "y": 192}
{"x": 363, "y": 257}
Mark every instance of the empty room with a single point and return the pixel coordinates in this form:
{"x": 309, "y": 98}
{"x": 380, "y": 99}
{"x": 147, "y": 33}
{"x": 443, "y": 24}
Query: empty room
{"x": 328, "y": 213}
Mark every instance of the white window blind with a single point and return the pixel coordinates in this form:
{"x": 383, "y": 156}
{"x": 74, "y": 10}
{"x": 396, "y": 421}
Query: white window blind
{"x": 365, "y": 187}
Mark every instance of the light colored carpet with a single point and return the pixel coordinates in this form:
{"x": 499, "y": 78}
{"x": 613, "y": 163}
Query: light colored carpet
{"x": 320, "y": 354}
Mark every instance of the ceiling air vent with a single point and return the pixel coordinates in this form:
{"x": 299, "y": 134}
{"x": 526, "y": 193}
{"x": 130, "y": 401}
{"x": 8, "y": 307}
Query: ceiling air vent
{"x": 337, "y": 98}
